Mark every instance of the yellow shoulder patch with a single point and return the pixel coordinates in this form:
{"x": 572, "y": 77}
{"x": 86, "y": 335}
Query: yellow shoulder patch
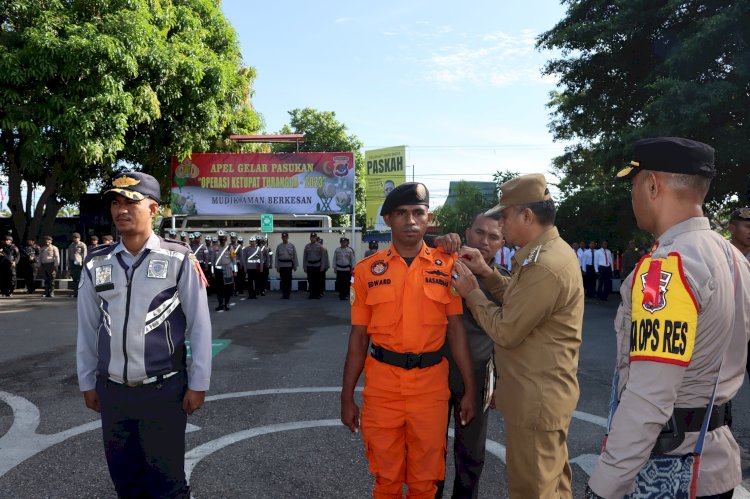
{"x": 664, "y": 320}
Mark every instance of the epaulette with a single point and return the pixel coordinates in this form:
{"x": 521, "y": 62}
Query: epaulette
{"x": 533, "y": 255}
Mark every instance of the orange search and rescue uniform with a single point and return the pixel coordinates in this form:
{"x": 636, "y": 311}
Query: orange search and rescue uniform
{"x": 405, "y": 412}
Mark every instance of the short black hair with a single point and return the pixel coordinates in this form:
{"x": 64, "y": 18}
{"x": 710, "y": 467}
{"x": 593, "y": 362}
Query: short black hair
{"x": 544, "y": 211}
{"x": 476, "y": 216}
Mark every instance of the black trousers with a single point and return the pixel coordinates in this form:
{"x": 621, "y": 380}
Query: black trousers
{"x": 223, "y": 291}
{"x": 313, "y": 281}
{"x": 605, "y": 283}
{"x": 75, "y": 274}
{"x": 239, "y": 283}
{"x": 468, "y": 445}
{"x": 590, "y": 281}
{"x": 29, "y": 277}
{"x": 343, "y": 282}
{"x": 285, "y": 275}
{"x": 49, "y": 278}
{"x": 143, "y": 429}
{"x": 254, "y": 283}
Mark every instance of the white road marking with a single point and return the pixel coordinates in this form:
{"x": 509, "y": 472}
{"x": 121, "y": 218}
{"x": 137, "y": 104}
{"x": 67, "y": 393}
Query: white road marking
{"x": 21, "y": 441}
{"x": 590, "y": 418}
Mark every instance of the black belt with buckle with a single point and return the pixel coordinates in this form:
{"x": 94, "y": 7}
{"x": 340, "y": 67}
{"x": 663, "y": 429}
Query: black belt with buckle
{"x": 406, "y": 360}
{"x": 689, "y": 419}
{"x": 310, "y": 261}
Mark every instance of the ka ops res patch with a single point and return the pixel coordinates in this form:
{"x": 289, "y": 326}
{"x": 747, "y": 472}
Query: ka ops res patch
{"x": 664, "y": 319}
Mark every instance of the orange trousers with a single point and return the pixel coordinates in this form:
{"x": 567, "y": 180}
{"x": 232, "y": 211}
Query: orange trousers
{"x": 405, "y": 442}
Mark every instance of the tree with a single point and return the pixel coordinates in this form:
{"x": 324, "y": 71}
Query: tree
{"x": 640, "y": 68}
{"x": 457, "y": 216}
{"x": 323, "y": 132}
{"x": 91, "y": 86}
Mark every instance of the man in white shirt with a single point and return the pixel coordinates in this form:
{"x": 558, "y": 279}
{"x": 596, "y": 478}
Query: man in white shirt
{"x": 502, "y": 257}
{"x": 589, "y": 271}
{"x": 603, "y": 267}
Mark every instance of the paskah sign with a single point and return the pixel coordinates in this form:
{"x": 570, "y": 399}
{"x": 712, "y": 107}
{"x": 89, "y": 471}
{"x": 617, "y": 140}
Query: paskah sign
{"x": 230, "y": 184}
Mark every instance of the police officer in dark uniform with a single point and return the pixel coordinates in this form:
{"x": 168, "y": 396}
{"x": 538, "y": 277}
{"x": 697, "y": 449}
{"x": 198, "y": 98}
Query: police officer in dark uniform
{"x": 485, "y": 235}
{"x": 29, "y": 264}
{"x": 9, "y": 258}
{"x": 224, "y": 270}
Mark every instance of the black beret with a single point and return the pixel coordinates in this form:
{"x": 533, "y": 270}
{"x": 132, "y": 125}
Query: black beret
{"x": 407, "y": 193}
{"x": 673, "y": 155}
{"x": 136, "y": 186}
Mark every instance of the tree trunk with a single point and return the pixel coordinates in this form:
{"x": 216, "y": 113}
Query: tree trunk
{"x": 47, "y": 206}
{"x": 17, "y": 213}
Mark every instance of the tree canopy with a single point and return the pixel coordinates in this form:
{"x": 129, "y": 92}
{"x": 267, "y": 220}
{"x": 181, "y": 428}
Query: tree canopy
{"x": 323, "y": 132}
{"x": 457, "y": 216}
{"x": 87, "y": 86}
{"x": 630, "y": 69}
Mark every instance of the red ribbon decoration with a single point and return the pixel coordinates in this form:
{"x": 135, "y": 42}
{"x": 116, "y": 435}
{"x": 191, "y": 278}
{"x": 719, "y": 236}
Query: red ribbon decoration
{"x": 653, "y": 280}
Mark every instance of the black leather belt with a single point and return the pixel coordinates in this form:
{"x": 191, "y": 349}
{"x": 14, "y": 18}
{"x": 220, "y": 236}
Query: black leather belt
{"x": 690, "y": 419}
{"x": 310, "y": 261}
{"x": 285, "y": 261}
{"x": 406, "y": 360}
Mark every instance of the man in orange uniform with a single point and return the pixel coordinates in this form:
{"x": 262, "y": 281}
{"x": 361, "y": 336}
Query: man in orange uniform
{"x": 401, "y": 300}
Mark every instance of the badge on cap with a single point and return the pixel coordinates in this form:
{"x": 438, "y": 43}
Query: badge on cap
{"x": 125, "y": 181}
{"x": 157, "y": 269}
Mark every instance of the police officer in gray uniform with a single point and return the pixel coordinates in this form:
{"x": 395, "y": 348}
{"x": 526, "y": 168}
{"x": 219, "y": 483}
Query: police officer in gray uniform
{"x": 138, "y": 302}
{"x": 253, "y": 262}
{"x": 693, "y": 282}
{"x": 285, "y": 263}
{"x": 224, "y": 266}
{"x": 343, "y": 264}
{"x": 312, "y": 262}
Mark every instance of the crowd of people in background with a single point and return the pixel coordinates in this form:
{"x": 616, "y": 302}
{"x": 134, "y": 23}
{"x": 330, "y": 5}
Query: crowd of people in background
{"x": 34, "y": 262}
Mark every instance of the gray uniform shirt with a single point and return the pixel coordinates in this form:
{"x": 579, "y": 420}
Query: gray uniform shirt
{"x": 151, "y": 282}
{"x": 285, "y": 256}
{"x": 649, "y": 391}
{"x": 223, "y": 260}
{"x": 76, "y": 253}
{"x": 312, "y": 256}
{"x": 252, "y": 258}
{"x": 343, "y": 259}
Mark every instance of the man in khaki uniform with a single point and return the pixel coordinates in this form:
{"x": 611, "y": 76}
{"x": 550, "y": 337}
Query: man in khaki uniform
{"x": 537, "y": 333}
{"x": 684, "y": 308}
{"x": 76, "y": 256}
{"x": 739, "y": 227}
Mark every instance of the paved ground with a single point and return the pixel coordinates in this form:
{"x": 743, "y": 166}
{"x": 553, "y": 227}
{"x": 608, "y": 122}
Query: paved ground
{"x": 270, "y": 427}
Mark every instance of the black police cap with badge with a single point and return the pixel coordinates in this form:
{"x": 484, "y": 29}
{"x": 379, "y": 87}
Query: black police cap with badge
{"x": 406, "y": 194}
{"x": 135, "y": 186}
{"x": 671, "y": 155}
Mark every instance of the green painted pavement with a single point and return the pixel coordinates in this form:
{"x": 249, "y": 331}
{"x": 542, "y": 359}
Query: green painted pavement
{"x": 216, "y": 346}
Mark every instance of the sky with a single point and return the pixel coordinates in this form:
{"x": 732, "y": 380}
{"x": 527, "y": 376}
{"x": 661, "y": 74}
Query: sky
{"x": 459, "y": 84}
